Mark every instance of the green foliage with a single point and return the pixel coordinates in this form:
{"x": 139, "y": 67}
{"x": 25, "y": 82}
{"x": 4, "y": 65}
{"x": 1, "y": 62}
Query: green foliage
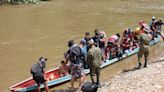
{"x": 23, "y": 1}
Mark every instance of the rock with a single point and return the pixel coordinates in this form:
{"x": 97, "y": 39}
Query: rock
{"x": 150, "y": 79}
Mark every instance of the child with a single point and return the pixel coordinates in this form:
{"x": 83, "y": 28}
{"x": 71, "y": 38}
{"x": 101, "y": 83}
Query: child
{"x": 63, "y": 70}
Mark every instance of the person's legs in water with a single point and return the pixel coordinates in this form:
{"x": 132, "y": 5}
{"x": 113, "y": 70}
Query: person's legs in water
{"x": 46, "y": 87}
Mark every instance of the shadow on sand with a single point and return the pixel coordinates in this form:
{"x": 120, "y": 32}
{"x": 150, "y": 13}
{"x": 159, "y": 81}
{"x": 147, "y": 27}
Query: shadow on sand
{"x": 64, "y": 90}
{"x": 132, "y": 69}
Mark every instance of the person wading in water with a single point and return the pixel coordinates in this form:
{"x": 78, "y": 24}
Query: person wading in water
{"x": 143, "y": 39}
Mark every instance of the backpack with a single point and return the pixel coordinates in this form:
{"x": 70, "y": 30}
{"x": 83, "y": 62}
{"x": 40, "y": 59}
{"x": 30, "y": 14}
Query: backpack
{"x": 89, "y": 87}
{"x": 75, "y": 54}
{"x": 33, "y": 69}
{"x": 145, "y": 38}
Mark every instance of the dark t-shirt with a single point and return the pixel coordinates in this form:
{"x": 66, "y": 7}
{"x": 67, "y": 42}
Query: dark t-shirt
{"x": 98, "y": 43}
{"x": 159, "y": 25}
{"x": 96, "y": 40}
{"x": 87, "y": 39}
{"x": 40, "y": 68}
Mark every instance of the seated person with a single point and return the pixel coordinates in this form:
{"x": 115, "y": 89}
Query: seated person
{"x": 64, "y": 69}
{"x": 128, "y": 32}
{"x": 126, "y": 44}
{"x": 112, "y": 48}
{"x": 114, "y": 39}
{"x": 102, "y": 41}
{"x": 135, "y": 42}
{"x": 110, "y": 51}
{"x": 144, "y": 27}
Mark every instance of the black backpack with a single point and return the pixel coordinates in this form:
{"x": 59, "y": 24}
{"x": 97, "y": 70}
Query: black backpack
{"x": 75, "y": 54}
{"x": 33, "y": 69}
{"x": 89, "y": 87}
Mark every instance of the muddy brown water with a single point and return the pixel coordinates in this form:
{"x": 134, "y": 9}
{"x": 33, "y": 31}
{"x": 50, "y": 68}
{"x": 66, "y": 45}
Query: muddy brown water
{"x": 30, "y": 31}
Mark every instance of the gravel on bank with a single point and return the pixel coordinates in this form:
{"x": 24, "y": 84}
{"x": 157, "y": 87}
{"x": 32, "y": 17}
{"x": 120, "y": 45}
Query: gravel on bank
{"x": 150, "y": 79}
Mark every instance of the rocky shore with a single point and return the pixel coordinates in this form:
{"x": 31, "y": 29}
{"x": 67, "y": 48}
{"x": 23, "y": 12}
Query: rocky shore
{"x": 150, "y": 79}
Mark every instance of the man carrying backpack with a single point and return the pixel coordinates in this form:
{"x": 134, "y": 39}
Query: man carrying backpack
{"x": 143, "y": 39}
{"x": 76, "y": 56}
{"x": 38, "y": 73}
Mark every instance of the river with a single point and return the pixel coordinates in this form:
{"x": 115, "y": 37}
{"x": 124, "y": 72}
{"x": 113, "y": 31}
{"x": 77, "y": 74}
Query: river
{"x": 30, "y": 31}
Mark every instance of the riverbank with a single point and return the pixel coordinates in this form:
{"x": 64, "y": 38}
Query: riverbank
{"x": 29, "y": 31}
{"x": 148, "y": 79}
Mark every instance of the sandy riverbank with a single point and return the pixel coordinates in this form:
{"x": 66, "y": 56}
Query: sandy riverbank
{"x": 150, "y": 79}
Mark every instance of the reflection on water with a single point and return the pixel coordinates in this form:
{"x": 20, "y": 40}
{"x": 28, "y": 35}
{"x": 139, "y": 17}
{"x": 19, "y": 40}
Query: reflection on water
{"x": 30, "y": 31}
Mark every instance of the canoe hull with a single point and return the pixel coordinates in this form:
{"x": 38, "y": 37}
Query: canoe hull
{"x": 55, "y": 79}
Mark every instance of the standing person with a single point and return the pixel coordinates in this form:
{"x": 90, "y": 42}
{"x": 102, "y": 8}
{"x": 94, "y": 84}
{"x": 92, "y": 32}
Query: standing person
{"x": 87, "y": 38}
{"x": 159, "y": 24}
{"x": 143, "y": 39}
{"x": 102, "y": 42}
{"x": 94, "y": 59}
{"x": 71, "y": 44}
{"x": 96, "y": 38}
{"x": 85, "y": 49}
{"x": 100, "y": 39}
{"x": 38, "y": 73}
{"x": 113, "y": 47}
{"x": 76, "y": 57}
{"x": 152, "y": 24}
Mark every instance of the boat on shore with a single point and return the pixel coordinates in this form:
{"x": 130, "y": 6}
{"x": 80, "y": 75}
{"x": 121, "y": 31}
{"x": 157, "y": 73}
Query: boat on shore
{"x": 53, "y": 77}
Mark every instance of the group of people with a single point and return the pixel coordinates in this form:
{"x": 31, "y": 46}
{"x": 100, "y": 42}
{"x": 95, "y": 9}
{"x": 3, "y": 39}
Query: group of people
{"x": 91, "y": 52}
{"x": 86, "y": 54}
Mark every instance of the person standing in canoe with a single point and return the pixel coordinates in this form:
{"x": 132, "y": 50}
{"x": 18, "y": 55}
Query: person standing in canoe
{"x": 87, "y": 38}
{"x": 159, "y": 24}
{"x": 76, "y": 57}
{"x": 94, "y": 59}
{"x": 143, "y": 39}
{"x": 38, "y": 73}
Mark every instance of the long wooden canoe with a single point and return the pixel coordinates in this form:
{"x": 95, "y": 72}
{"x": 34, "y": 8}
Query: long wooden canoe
{"x": 55, "y": 79}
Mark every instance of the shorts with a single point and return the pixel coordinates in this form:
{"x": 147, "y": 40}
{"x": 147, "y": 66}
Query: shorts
{"x": 39, "y": 79}
{"x": 77, "y": 71}
{"x": 143, "y": 51}
{"x": 95, "y": 71}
